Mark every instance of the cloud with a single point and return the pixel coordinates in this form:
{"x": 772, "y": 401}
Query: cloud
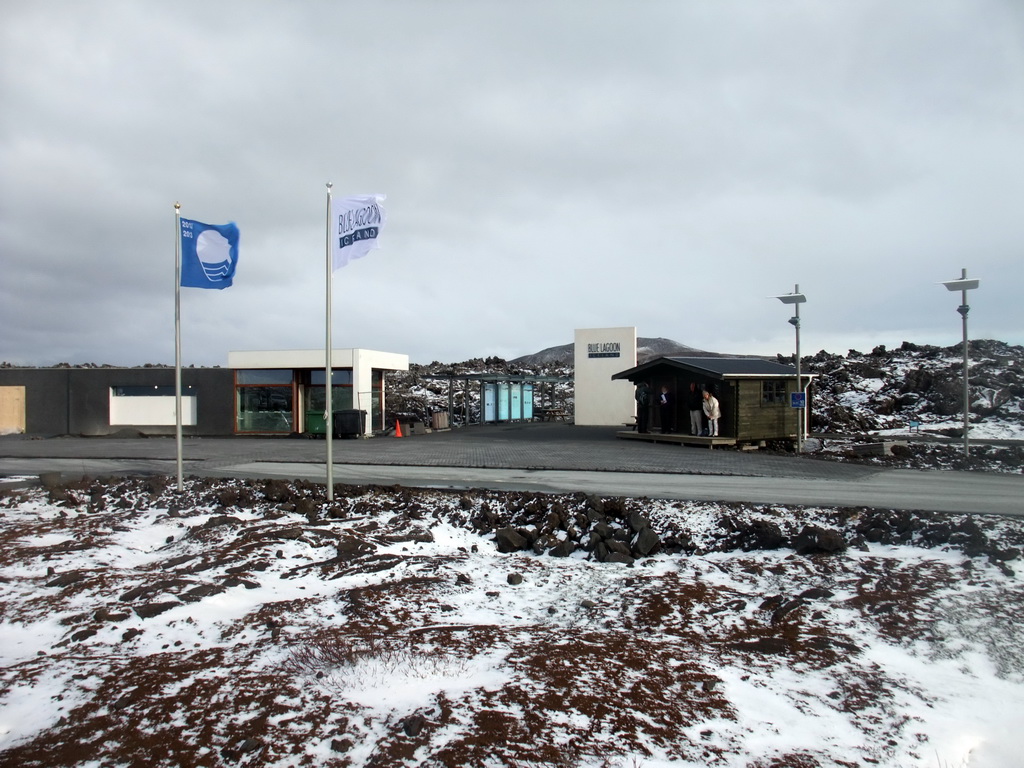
{"x": 665, "y": 166}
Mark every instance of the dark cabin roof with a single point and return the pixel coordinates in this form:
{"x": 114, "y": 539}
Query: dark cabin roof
{"x": 715, "y": 368}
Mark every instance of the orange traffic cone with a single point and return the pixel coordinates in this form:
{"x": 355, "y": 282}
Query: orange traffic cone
{"x": 398, "y": 429}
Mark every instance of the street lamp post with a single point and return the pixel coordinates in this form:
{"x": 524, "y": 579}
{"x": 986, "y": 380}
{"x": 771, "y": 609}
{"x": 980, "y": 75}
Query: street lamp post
{"x": 796, "y": 298}
{"x": 964, "y": 285}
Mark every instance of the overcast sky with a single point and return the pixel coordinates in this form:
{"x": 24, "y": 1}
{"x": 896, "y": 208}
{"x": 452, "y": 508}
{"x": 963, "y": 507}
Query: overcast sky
{"x": 548, "y": 166}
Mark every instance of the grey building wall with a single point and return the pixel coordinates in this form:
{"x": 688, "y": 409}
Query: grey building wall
{"x": 76, "y": 401}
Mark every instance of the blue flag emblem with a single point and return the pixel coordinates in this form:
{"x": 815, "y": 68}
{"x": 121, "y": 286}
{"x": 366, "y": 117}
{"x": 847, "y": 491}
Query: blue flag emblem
{"x": 209, "y": 254}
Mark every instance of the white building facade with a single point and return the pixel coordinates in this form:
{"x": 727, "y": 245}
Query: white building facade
{"x": 599, "y": 354}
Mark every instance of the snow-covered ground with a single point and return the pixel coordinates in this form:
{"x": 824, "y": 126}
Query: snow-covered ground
{"x": 257, "y": 624}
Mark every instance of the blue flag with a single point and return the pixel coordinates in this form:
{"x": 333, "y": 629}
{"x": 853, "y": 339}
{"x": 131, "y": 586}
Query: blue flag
{"x": 209, "y": 254}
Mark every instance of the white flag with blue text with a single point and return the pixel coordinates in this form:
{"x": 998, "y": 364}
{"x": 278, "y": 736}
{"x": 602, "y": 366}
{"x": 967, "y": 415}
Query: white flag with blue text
{"x": 356, "y": 223}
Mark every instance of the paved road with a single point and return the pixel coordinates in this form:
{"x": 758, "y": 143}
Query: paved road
{"x": 536, "y": 457}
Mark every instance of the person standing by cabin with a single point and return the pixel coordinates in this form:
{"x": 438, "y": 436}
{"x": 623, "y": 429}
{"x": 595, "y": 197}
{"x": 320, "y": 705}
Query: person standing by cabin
{"x": 713, "y": 412}
{"x": 665, "y": 404}
{"x": 643, "y": 403}
{"x": 695, "y": 404}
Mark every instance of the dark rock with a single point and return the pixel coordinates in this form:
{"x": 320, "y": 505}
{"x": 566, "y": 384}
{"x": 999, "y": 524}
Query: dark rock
{"x": 104, "y": 614}
{"x": 638, "y": 522}
{"x": 1003, "y": 555}
{"x": 66, "y": 579}
{"x": 759, "y": 534}
{"x": 509, "y": 540}
{"x": 563, "y": 548}
{"x": 351, "y": 547}
{"x": 277, "y": 491}
{"x": 307, "y": 507}
{"x": 816, "y": 593}
{"x": 229, "y": 497}
{"x": 814, "y": 540}
{"x": 647, "y": 541}
{"x": 878, "y": 535}
{"x": 417, "y": 536}
{"x": 218, "y": 521}
{"x": 786, "y": 608}
{"x": 249, "y": 745}
{"x": 236, "y": 581}
{"x": 149, "y": 610}
{"x": 936, "y": 534}
{"x": 514, "y": 579}
{"x": 768, "y": 645}
{"x": 413, "y": 724}
{"x": 618, "y": 557}
{"x": 771, "y": 603}
{"x": 619, "y": 547}
{"x": 197, "y": 593}
{"x": 342, "y": 745}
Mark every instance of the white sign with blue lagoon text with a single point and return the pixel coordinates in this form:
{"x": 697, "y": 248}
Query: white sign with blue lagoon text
{"x": 356, "y": 223}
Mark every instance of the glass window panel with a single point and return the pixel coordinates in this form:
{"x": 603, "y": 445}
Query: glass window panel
{"x": 338, "y": 377}
{"x": 253, "y": 377}
{"x": 773, "y": 392}
{"x": 316, "y": 398}
{"x": 264, "y": 409}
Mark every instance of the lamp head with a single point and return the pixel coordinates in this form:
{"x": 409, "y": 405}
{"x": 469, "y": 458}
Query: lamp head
{"x": 961, "y": 285}
{"x": 790, "y": 298}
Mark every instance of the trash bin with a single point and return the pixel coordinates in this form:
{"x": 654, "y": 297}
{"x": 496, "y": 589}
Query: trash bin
{"x": 349, "y": 423}
{"x": 315, "y": 423}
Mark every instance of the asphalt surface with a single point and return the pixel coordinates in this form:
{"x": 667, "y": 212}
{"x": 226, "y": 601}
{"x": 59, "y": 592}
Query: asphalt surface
{"x": 545, "y": 457}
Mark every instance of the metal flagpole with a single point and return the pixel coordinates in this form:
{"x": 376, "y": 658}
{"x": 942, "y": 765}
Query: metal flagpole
{"x": 177, "y": 337}
{"x": 328, "y": 415}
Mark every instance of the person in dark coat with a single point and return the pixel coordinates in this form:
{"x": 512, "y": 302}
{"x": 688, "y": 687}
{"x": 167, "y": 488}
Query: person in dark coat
{"x": 695, "y": 404}
{"x": 665, "y": 404}
{"x": 643, "y": 406}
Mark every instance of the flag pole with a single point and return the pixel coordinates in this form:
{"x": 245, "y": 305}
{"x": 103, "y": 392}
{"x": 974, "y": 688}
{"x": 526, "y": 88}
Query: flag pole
{"x": 177, "y": 338}
{"x": 328, "y": 411}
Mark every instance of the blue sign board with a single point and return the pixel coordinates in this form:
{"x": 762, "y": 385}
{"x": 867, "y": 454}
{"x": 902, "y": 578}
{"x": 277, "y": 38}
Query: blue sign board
{"x": 798, "y": 399}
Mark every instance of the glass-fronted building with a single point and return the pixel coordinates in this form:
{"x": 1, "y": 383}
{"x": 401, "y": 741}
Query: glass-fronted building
{"x": 285, "y": 391}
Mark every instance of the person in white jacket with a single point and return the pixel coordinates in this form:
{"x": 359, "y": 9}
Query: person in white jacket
{"x": 713, "y": 413}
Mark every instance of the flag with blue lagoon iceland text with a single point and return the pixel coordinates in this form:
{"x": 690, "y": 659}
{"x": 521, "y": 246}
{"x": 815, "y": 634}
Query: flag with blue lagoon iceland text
{"x": 356, "y": 223}
{"x": 209, "y": 254}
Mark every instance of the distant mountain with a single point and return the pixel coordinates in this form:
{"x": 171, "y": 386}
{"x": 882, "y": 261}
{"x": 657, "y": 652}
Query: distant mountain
{"x": 646, "y": 349}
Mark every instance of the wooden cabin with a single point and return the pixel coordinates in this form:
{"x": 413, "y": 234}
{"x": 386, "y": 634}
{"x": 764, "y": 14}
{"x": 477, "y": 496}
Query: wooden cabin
{"x": 754, "y": 396}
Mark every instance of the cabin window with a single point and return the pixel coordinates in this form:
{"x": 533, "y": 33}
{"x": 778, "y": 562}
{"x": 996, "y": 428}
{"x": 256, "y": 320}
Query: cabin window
{"x": 773, "y": 393}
